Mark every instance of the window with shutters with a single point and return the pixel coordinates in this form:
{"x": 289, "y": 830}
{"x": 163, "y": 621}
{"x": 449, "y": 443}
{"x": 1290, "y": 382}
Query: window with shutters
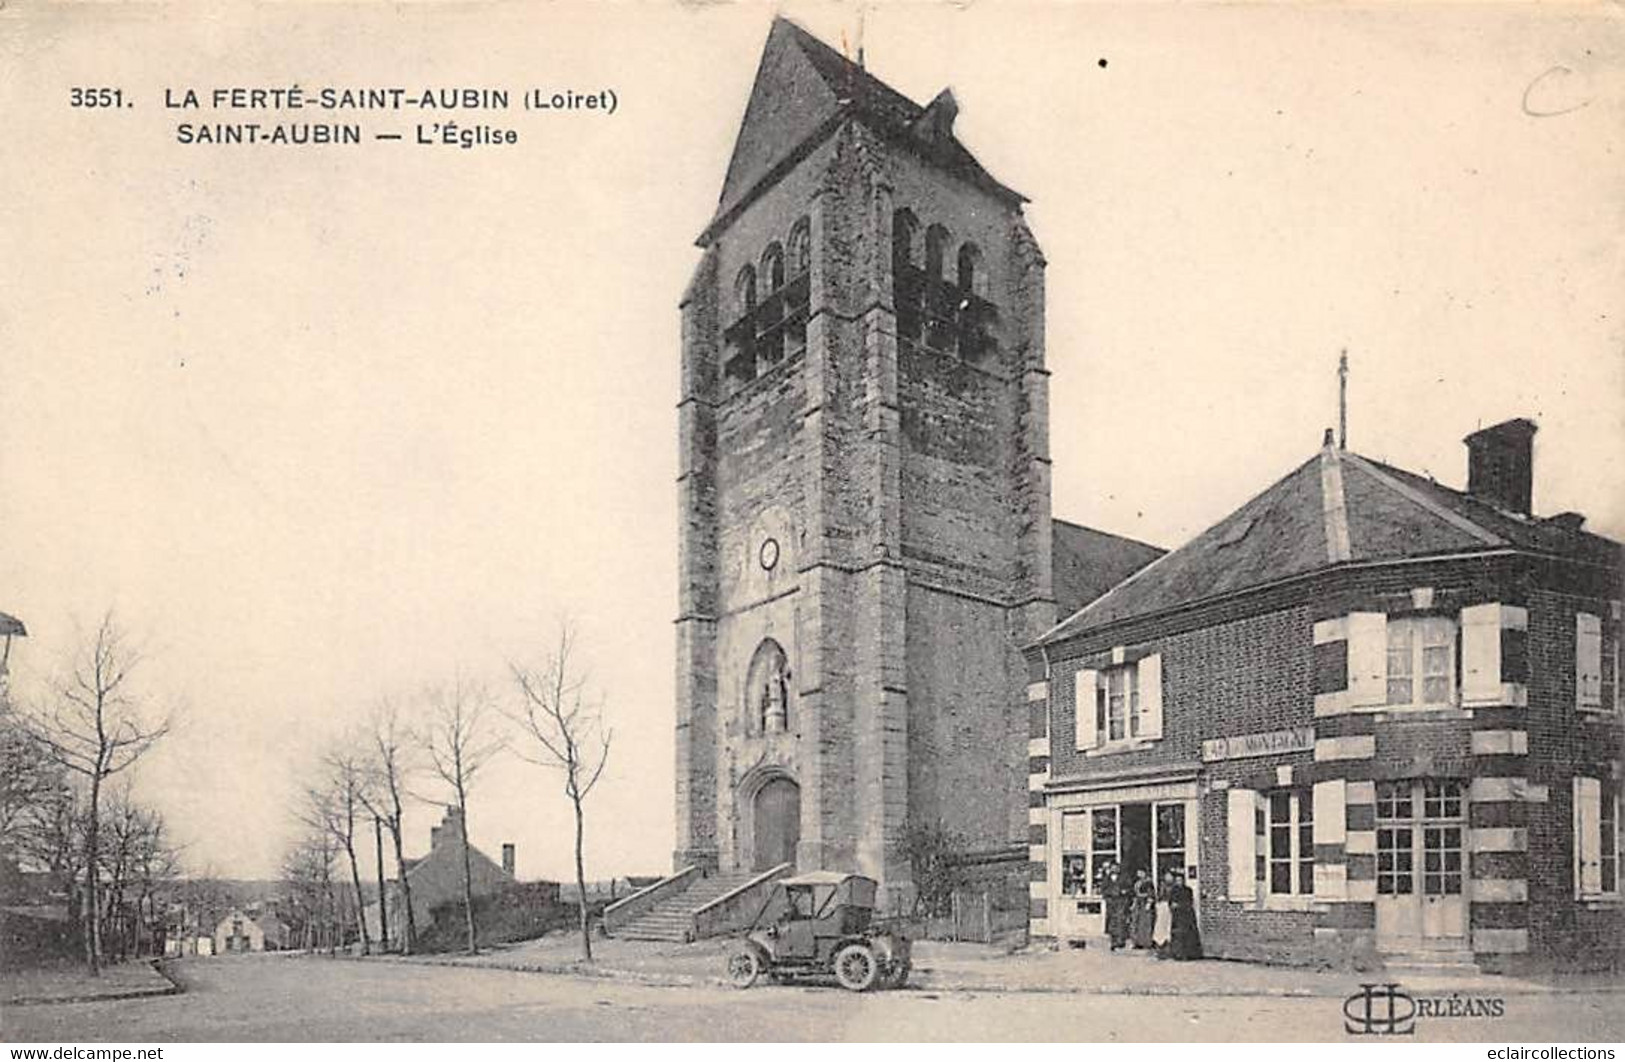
{"x": 1421, "y": 662}
{"x": 1588, "y": 657}
{"x": 1597, "y": 837}
{"x": 1123, "y": 714}
{"x": 1291, "y": 842}
{"x": 1119, "y": 707}
{"x": 1611, "y": 685}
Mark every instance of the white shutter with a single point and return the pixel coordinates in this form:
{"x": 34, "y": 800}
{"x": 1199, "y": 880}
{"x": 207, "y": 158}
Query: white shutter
{"x": 1331, "y": 812}
{"x": 1588, "y": 836}
{"x": 1588, "y": 660}
{"x": 1368, "y": 659}
{"x": 1241, "y": 811}
{"x": 1084, "y": 699}
{"x": 1151, "y": 696}
{"x": 1481, "y": 654}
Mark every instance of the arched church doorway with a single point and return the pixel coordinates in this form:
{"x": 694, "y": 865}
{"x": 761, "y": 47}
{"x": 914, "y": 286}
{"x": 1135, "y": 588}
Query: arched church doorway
{"x": 776, "y": 823}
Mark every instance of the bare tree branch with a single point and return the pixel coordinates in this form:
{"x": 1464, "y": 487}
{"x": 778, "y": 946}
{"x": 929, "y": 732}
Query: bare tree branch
{"x": 561, "y": 726}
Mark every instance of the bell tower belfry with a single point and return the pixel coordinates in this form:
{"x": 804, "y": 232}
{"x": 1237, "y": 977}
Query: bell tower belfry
{"x": 864, "y": 486}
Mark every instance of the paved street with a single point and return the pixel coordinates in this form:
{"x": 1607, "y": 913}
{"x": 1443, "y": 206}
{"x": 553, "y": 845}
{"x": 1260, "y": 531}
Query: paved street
{"x": 297, "y": 998}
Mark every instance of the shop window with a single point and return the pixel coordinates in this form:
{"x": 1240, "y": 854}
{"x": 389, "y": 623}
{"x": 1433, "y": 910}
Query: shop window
{"x": 1291, "y": 842}
{"x": 1597, "y": 837}
{"x": 1103, "y": 845}
{"x": 1075, "y": 849}
{"x": 1421, "y": 662}
{"x": 1170, "y": 839}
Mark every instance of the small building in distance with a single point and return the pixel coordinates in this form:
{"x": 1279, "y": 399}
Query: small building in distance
{"x": 437, "y": 878}
{"x": 1364, "y": 713}
{"x": 242, "y": 931}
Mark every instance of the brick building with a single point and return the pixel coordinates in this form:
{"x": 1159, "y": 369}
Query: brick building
{"x": 866, "y": 541}
{"x": 1362, "y": 713}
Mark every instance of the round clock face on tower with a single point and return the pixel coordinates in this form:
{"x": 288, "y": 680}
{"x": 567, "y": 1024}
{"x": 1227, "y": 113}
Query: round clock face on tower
{"x": 768, "y": 555}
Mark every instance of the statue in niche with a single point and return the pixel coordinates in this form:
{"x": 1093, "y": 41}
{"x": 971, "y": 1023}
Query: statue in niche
{"x": 775, "y": 698}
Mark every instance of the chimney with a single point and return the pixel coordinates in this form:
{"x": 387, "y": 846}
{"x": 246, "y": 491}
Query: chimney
{"x": 507, "y": 860}
{"x": 1500, "y": 465}
{"x": 434, "y": 837}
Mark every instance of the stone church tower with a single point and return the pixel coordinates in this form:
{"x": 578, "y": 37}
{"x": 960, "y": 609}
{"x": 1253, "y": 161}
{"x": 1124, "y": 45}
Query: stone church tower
{"x": 865, "y": 539}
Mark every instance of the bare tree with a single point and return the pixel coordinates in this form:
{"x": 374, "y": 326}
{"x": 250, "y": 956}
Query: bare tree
{"x": 52, "y": 837}
{"x": 391, "y": 767}
{"x": 95, "y": 726}
{"x": 307, "y": 875}
{"x": 29, "y": 778}
{"x": 335, "y": 806}
{"x": 564, "y": 731}
{"x": 458, "y": 739}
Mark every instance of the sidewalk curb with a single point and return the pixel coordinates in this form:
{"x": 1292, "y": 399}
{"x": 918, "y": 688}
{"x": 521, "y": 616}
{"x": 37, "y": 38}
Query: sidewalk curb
{"x": 171, "y": 987}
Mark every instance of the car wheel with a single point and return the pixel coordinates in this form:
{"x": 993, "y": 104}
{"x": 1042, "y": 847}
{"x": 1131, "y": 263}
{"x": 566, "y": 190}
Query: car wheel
{"x": 744, "y": 967}
{"x": 856, "y": 968}
{"x": 897, "y": 974}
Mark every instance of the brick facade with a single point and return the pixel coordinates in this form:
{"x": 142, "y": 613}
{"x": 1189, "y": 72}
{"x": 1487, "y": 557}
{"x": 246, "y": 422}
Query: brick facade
{"x": 1276, "y": 659}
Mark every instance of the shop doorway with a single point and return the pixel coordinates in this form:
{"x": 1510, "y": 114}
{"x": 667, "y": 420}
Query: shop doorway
{"x": 1136, "y": 840}
{"x": 1421, "y": 886}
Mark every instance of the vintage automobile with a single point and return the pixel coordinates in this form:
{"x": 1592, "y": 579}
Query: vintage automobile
{"x": 819, "y": 925}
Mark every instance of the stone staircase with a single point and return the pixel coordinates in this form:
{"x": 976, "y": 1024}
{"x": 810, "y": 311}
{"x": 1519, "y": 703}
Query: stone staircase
{"x": 672, "y": 919}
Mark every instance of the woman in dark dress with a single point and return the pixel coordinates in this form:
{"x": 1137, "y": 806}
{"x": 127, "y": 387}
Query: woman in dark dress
{"x": 1184, "y": 938}
{"x": 1116, "y": 893}
{"x": 1144, "y": 917}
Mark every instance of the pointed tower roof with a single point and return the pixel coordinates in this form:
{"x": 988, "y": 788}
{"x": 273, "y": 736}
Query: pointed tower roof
{"x": 1336, "y": 508}
{"x": 803, "y": 89}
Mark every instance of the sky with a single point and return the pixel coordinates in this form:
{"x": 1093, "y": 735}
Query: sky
{"x": 325, "y": 425}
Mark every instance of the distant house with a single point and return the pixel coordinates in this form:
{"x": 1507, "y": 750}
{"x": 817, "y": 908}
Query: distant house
{"x": 437, "y": 878}
{"x": 240, "y": 932}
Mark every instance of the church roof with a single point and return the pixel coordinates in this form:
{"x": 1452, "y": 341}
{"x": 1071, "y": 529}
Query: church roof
{"x": 1086, "y": 563}
{"x": 1336, "y": 508}
{"x": 803, "y": 89}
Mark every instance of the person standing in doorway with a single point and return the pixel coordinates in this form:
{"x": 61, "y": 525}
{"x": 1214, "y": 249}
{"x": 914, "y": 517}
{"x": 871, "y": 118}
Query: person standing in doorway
{"x": 1144, "y": 910}
{"x": 1116, "y": 893}
{"x": 1184, "y": 937}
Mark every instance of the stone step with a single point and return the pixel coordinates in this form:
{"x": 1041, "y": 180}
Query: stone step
{"x": 633, "y": 933}
{"x": 1432, "y": 962}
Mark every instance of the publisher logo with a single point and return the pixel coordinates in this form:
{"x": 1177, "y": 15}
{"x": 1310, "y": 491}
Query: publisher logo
{"x": 1380, "y": 1010}
{"x": 1385, "y": 1009}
